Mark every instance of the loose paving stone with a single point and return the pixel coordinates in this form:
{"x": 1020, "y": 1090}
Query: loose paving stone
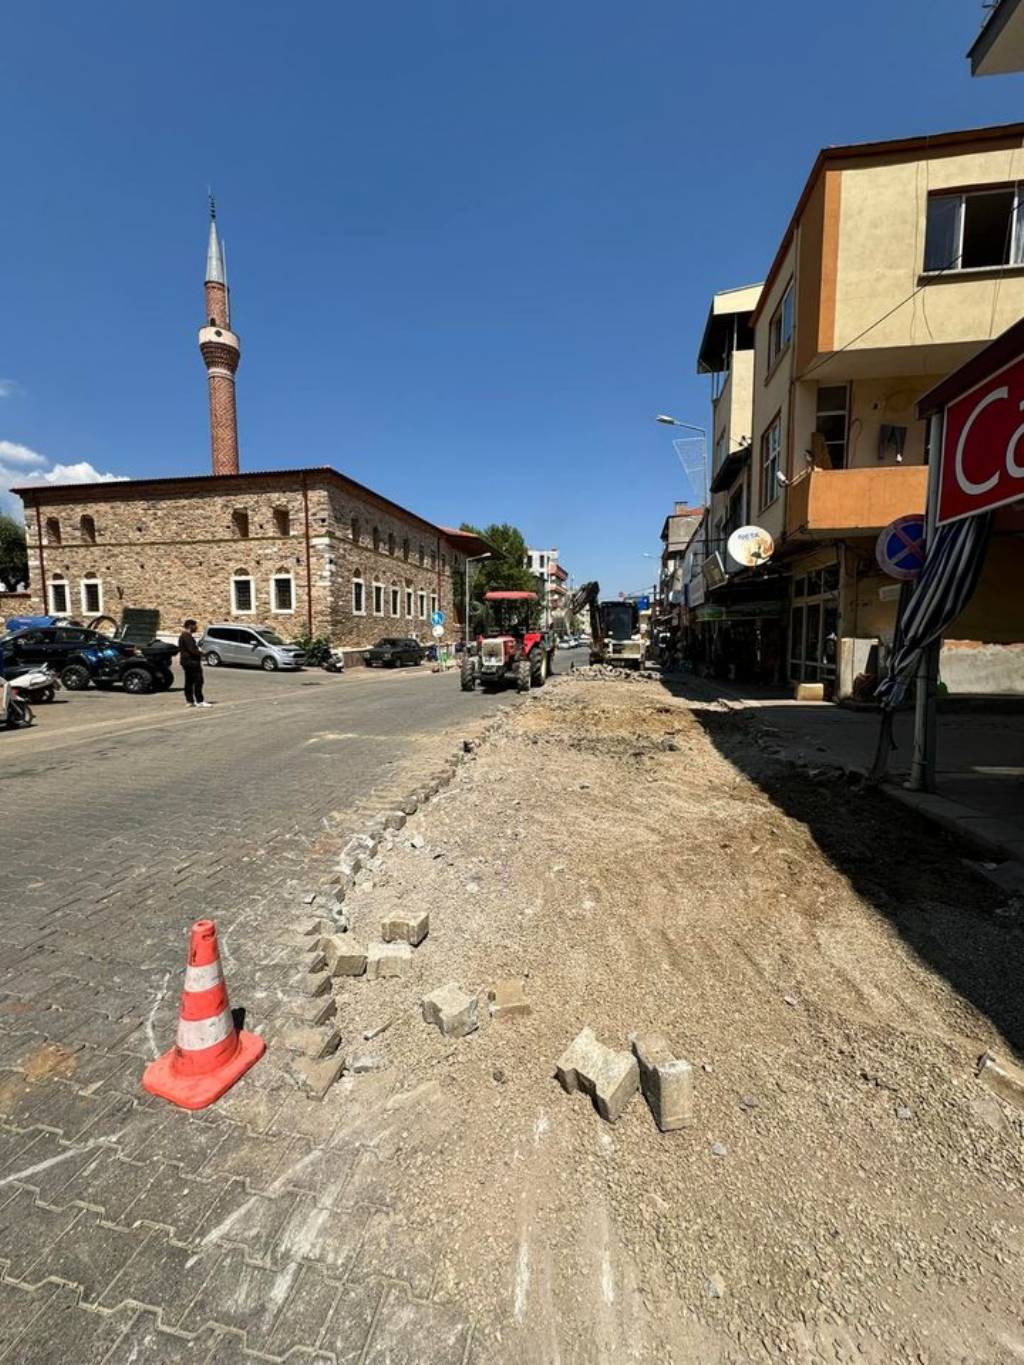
{"x": 411, "y": 928}
{"x": 345, "y": 957}
{"x": 453, "y": 1011}
{"x": 362, "y": 1064}
{"x": 508, "y": 998}
{"x": 667, "y": 1082}
{"x": 387, "y": 959}
{"x": 610, "y": 1078}
{"x": 1003, "y": 1078}
{"x": 393, "y": 819}
{"x": 311, "y": 984}
{"x": 314, "y": 1042}
{"x": 311, "y": 1013}
{"x": 410, "y": 805}
{"x": 316, "y": 1078}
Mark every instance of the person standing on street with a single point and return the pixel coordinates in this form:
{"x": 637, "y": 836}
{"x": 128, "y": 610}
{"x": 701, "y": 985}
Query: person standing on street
{"x": 192, "y": 663}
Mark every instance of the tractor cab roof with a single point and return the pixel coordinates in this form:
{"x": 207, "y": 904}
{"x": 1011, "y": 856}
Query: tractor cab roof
{"x": 510, "y": 597}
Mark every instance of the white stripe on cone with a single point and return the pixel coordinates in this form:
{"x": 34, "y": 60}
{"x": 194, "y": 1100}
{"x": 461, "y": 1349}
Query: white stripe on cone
{"x": 202, "y": 978}
{"x": 195, "y": 1034}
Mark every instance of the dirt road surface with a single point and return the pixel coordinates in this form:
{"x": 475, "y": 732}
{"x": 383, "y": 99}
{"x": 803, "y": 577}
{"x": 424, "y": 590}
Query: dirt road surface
{"x": 829, "y": 966}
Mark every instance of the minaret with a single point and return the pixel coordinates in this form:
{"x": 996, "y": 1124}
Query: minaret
{"x": 221, "y": 352}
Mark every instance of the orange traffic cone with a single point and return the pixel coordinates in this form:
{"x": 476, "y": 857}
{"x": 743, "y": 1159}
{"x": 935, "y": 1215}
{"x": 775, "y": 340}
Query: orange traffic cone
{"x": 210, "y": 1053}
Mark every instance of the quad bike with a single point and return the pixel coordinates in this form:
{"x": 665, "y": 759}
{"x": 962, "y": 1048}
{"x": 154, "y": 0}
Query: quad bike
{"x": 512, "y": 651}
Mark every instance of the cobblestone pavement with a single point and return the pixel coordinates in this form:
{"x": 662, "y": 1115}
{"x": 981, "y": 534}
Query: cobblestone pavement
{"x": 131, "y": 1230}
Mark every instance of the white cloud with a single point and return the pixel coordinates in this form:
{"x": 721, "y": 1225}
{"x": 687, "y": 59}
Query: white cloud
{"x": 7, "y": 387}
{"x": 21, "y": 457}
{"x": 21, "y": 465}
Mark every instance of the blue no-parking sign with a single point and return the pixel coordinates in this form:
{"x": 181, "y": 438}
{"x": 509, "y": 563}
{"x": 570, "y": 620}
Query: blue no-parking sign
{"x": 900, "y": 548}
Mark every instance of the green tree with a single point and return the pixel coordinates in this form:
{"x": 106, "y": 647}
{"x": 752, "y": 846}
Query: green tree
{"x": 504, "y": 571}
{"x": 13, "y": 554}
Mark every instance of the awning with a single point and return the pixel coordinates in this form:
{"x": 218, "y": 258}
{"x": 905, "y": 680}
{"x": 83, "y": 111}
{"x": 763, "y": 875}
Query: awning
{"x": 738, "y": 611}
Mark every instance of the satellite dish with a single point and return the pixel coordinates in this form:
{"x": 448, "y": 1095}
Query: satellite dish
{"x": 751, "y": 546}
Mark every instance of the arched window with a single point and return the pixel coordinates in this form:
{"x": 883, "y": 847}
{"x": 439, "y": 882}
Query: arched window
{"x": 355, "y": 530}
{"x": 53, "y": 533}
{"x": 391, "y": 543}
{"x": 376, "y": 537}
{"x": 396, "y": 600}
{"x": 282, "y": 521}
{"x": 243, "y": 593}
{"x": 240, "y": 523}
{"x": 358, "y": 594}
{"x": 87, "y": 526}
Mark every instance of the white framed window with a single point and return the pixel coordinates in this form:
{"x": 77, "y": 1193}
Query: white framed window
{"x": 282, "y": 593}
{"x": 378, "y": 599}
{"x": 771, "y": 450}
{"x": 358, "y": 596}
{"x": 832, "y": 420}
{"x": 408, "y": 603}
{"x": 422, "y": 606}
{"x": 780, "y": 329}
{"x": 243, "y": 595}
{"x": 90, "y": 591}
{"x": 396, "y": 602}
{"x": 433, "y": 603}
{"x": 59, "y": 599}
{"x": 974, "y": 230}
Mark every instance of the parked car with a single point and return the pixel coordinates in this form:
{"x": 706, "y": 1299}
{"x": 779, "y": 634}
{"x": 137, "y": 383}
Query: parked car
{"x": 249, "y": 646}
{"x": 393, "y": 652}
{"x": 80, "y": 656}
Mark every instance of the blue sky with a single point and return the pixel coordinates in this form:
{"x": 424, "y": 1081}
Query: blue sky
{"x": 471, "y": 242}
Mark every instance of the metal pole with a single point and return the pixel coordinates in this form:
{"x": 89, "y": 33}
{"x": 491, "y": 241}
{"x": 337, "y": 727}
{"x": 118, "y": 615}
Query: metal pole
{"x": 922, "y": 766}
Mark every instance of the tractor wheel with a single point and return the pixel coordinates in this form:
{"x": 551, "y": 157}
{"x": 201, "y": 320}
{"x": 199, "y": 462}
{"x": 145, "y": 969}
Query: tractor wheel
{"x": 551, "y": 664}
{"x": 538, "y": 668}
{"x": 467, "y": 676}
{"x": 524, "y": 673}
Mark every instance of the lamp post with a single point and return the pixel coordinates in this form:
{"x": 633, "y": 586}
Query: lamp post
{"x": 470, "y": 559}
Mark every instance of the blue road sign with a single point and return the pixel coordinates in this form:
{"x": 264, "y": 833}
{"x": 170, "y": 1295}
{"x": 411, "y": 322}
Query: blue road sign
{"x": 437, "y": 618}
{"x": 900, "y": 548}
{"x": 643, "y": 603}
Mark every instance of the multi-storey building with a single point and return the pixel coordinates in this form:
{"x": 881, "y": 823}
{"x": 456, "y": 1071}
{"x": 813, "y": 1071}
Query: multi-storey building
{"x": 306, "y": 550}
{"x": 901, "y": 260}
{"x": 552, "y": 583}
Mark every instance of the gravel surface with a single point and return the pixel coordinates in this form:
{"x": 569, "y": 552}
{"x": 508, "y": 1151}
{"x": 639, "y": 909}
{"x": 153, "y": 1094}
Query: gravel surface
{"x": 829, "y": 966}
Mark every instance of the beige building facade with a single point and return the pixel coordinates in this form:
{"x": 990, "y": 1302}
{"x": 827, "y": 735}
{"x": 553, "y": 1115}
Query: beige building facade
{"x": 304, "y": 551}
{"x": 901, "y": 261}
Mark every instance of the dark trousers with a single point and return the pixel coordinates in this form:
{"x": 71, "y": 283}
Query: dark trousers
{"x": 193, "y": 682}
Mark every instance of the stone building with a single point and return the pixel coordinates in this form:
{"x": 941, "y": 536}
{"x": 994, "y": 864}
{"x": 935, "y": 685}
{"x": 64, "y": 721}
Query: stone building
{"x": 303, "y": 550}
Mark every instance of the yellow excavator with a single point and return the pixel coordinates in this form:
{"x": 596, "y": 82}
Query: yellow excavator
{"x": 615, "y": 635}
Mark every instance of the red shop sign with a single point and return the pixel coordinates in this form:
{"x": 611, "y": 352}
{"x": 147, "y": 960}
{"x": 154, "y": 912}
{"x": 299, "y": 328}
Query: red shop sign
{"x": 983, "y": 446}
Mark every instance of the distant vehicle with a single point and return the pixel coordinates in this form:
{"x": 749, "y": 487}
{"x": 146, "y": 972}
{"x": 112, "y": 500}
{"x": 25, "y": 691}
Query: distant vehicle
{"x": 80, "y": 656}
{"x": 249, "y": 647}
{"x": 616, "y": 636}
{"x": 394, "y": 651}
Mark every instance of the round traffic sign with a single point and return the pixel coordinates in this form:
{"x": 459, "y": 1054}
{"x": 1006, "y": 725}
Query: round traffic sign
{"x": 437, "y": 631}
{"x": 437, "y": 618}
{"x": 900, "y": 548}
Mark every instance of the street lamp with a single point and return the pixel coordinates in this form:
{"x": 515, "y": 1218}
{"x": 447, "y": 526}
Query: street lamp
{"x": 470, "y": 559}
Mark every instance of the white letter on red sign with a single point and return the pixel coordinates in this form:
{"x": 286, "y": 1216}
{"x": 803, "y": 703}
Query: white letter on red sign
{"x": 1015, "y": 470}
{"x": 965, "y": 483}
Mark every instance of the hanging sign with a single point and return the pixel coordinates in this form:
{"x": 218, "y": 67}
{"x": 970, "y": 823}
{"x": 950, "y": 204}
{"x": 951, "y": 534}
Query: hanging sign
{"x": 983, "y": 446}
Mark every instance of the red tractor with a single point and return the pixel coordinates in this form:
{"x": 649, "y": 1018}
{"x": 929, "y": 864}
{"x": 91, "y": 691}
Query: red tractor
{"x": 513, "y": 650}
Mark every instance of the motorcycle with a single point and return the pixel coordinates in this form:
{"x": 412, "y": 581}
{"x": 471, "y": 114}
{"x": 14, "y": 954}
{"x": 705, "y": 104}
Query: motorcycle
{"x": 15, "y": 712}
{"x": 38, "y": 684}
{"x": 335, "y": 662}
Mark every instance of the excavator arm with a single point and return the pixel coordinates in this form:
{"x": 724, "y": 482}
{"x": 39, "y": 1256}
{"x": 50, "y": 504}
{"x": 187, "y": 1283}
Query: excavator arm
{"x": 586, "y": 597}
